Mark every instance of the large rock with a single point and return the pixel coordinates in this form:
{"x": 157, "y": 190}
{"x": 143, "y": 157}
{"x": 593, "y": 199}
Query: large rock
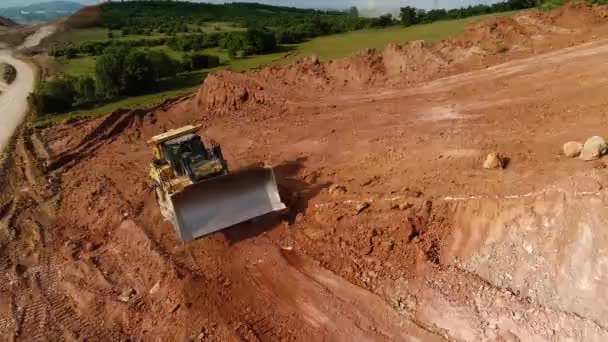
{"x": 493, "y": 161}
{"x": 572, "y": 149}
{"x": 594, "y": 148}
{"x": 337, "y": 189}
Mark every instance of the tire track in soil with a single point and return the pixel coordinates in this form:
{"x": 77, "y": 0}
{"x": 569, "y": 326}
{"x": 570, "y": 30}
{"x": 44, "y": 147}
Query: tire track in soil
{"x": 46, "y": 312}
{"x": 249, "y": 324}
{"x": 32, "y": 318}
{"x": 76, "y": 325}
{"x": 48, "y": 309}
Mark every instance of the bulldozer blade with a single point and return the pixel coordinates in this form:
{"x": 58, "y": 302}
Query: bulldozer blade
{"x": 224, "y": 201}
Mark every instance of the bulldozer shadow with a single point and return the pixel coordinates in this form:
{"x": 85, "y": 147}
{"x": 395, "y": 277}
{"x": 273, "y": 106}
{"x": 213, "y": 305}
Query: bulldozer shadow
{"x": 295, "y": 190}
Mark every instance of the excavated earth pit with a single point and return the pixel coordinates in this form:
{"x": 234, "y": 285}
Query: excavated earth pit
{"x": 394, "y": 229}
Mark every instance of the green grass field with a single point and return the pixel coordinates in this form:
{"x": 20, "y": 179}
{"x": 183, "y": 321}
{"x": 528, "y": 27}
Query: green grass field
{"x": 328, "y": 47}
{"x": 342, "y": 45}
{"x": 101, "y": 34}
{"x": 81, "y": 35}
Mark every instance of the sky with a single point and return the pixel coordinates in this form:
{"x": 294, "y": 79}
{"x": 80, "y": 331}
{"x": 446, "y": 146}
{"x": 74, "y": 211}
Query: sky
{"x": 338, "y": 4}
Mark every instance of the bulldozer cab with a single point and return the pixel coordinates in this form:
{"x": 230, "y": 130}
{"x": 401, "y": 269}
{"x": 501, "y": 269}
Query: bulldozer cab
{"x": 157, "y": 141}
{"x": 184, "y": 152}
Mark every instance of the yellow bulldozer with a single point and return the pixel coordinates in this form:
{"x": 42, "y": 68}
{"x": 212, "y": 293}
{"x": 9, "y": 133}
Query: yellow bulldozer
{"x": 196, "y": 192}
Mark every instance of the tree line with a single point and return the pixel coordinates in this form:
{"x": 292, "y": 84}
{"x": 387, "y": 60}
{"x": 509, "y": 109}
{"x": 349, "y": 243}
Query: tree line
{"x": 412, "y": 16}
{"x": 237, "y": 43}
{"x": 290, "y": 25}
{"x": 119, "y": 72}
{"x": 267, "y": 26}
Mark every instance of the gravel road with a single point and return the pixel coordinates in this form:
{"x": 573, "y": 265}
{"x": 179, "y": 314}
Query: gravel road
{"x": 13, "y": 99}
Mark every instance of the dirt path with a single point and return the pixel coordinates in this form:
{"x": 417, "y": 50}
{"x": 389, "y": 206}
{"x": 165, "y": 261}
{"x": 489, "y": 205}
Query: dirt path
{"x": 13, "y": 99}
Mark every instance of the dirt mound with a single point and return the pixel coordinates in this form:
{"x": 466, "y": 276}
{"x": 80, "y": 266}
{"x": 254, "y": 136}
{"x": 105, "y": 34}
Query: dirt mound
{"x": 415, "y": 61}
{"x": 578, "y": 15}
{"x": 308, "y": 74}
{"x": 233, "y": 93}
{"x": 411, "y": 62}
{"x": 362, "y": 69}
{"x": 84, "y": 18}
{"x": 494, "y": 35}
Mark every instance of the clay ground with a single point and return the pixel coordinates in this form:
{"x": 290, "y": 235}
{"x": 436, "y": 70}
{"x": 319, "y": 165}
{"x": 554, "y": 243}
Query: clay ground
{"x": 446, "y": 250}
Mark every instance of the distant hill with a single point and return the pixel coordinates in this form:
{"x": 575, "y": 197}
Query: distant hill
{"x": 42, "y": 12}
{"x": 7, "y": 23}
{"x": 152, "y": 14}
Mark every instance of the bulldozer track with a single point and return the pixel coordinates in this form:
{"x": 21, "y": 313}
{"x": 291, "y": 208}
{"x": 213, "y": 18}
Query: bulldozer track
{"x": 7, "y": 321}
{"x": 36, "y": 316}
{"x": 48, "y": 311}
{"x": 64, "y": 316}
{"x": 262, "y": 327}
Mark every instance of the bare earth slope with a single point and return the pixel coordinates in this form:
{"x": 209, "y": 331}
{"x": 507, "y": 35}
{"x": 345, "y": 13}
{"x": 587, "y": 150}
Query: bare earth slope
{"x": 445, "y": 251}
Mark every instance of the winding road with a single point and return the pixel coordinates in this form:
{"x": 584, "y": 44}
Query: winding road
{"x": 13, "y": 99}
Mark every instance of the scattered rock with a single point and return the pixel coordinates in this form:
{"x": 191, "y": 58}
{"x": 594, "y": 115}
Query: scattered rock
{"x": 174, "y": 308}
{"x": 387, "y": 205}
{"x": 407, "y": 192}
{"x": 314, "y": 233}
{"x": 493, "y": 161}
{"x": 572, "y": 149}
{"x": 299, "y": 217}
{"x": 516, "y": 316}
{"x": 362, "y": 206}
{"x": 91, "y": 246}
{"x": 369, "y": 181}
{"x": 337, "y": 189}
{"x": 155, "y": 288}
{"x": 126, "y": 295}
{"x": 405, "y": 205}
{"x": 594, "y": 148}
{"x": 387, "y": 246}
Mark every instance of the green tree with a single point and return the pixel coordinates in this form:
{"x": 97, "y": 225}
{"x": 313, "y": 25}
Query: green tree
{"x": 383, "y": 21}
{"x": 109, "y": 71}
{"x": 163, "y": 64}
{"x": 409, "y": 16}
{"x": 233, "y": 42}
{"x": 195, "y": 61}
{"x": 54, "y": 96}
{"x": 139, "y": 74}
{"x": 61, "y": 92}
{"x": 353, "y": 12}
{"x": 70, "y": 52}
{"x": 260, "y": 41}
{"x": 84, "y": 89}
